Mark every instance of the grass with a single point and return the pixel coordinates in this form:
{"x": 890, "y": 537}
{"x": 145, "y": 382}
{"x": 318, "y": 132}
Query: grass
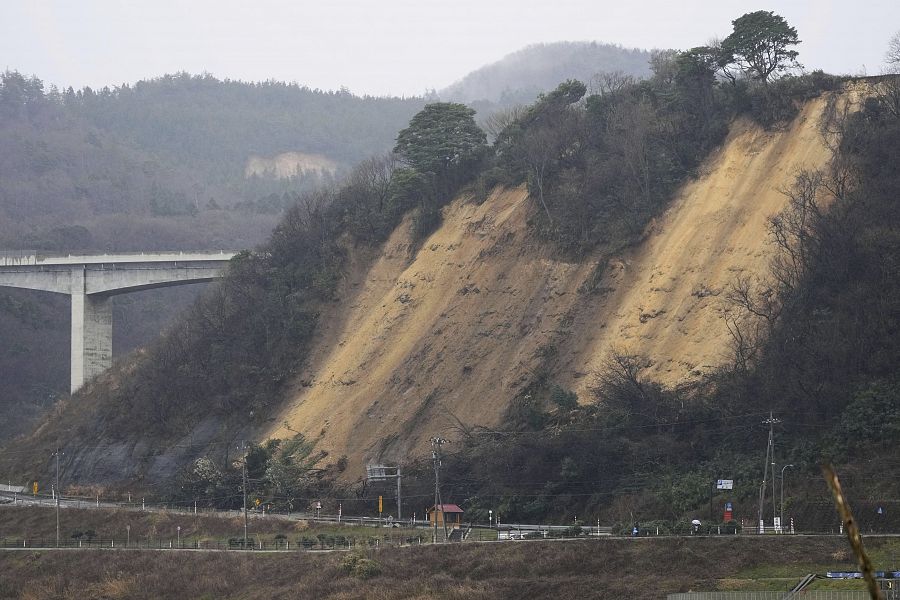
{"x": 34, "y": 522}
{"x": 598, "y": 568}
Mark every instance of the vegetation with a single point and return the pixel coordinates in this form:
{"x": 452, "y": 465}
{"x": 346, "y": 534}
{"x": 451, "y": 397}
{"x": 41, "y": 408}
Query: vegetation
{"x": 158, "y": 165}
{"x": 518, "y": 78}
{"x": 600, "y": 569}
{"x": 761, "y": 45}
{"x": 817, "y": 343}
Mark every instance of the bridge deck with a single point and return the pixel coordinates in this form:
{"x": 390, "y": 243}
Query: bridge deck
{"x": 14, "y": 259}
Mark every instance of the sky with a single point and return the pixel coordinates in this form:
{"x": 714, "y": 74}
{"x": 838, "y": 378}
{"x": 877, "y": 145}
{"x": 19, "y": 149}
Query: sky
{"x": 391, "y": 47}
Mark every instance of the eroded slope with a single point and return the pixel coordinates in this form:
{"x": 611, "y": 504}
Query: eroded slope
{"x": 456, "y": 331}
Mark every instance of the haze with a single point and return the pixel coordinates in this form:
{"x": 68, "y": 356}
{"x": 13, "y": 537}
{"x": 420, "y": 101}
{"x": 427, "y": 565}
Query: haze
{"x": 396, "y": 47}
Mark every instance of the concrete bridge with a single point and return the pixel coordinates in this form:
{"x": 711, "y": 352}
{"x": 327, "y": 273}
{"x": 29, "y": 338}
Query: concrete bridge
{"x": 92, "y": 280}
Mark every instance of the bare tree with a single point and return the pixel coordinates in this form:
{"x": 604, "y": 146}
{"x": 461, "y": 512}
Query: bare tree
{"x": 497, "y": 121}
{"x": 794, "y": 230}
{"x": 611, "y": 82}
{"x": 892, "y": 56}
{"x": 750, "y": 310}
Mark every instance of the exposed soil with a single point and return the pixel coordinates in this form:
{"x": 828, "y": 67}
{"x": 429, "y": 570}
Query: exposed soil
{"x": 288, "y": 164}
{"x": 451, "y": 333}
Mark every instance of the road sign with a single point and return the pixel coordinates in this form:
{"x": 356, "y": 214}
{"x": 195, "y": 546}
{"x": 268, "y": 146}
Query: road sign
{"x": 34, "y": 488}
{"x": 725, "y": 484}
{"x": 258, "y": 501}
{"x": 376, "y": 472}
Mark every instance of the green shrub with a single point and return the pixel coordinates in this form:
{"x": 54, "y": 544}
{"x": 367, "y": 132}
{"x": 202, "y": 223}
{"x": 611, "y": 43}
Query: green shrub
{"x": 357, "y": 565}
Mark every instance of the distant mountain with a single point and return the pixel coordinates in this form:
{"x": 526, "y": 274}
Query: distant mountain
{"x": 519, "y": 77}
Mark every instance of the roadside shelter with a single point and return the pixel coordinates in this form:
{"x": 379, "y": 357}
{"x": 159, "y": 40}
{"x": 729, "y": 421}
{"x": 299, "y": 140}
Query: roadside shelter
{"x": 450, "y": 513}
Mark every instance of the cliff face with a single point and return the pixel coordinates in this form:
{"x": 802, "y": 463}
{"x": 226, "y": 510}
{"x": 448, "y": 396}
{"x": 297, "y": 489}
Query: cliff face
{"x": 452, "y": 333}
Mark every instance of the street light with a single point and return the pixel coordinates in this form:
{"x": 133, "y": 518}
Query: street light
{"x": 782, "y": 493}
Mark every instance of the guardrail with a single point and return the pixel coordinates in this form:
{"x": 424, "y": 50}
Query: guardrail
{"x": 806, "y": 595}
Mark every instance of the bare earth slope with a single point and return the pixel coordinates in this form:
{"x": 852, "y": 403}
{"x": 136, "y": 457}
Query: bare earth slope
{"x": 667, "y": 298}
{"x": 455, "y": 331}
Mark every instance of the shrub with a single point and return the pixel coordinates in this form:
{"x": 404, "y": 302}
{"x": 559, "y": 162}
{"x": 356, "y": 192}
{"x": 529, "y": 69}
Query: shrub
{"x": 357, "y": 565}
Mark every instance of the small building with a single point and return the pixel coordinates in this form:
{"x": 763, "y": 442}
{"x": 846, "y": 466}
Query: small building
{"x": 449, "y": 513}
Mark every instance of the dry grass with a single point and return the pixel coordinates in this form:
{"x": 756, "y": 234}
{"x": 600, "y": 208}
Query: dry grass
{"x": 613, "y": 568}
{"x": 32, "y": 522}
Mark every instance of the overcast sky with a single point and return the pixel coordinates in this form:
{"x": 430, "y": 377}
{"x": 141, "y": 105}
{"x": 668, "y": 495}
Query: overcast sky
{"x": 399, "y": 47}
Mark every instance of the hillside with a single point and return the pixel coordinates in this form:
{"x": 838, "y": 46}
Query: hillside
{"x": 587, "y": 308}
{"x": 519, "y": 77}
{"x": 453, "y": 329}
{"x": 455, "y": 332}
{"x": 178, "y": 162}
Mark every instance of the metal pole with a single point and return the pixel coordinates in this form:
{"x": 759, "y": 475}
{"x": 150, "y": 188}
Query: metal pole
{"x": 434, "y": 510}
{"x": 57, "y": 497}
{"x": 398, "y": 494}
{"x": 782, "y": 493}
{"x": 244, "y": 473}
{"x": 436, "y": 458}
{"x": 770, "y": 456}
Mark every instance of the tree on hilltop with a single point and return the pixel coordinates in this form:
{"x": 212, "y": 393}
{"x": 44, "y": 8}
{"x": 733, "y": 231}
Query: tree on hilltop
{"x": 761, "y": 45}
{"x": 442, "y": 141}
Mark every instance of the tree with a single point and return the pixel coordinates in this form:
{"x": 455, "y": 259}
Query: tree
{"x": 442, "y": 141}
{"x": 892, "y": 57}
{"x": 760, "y": 44}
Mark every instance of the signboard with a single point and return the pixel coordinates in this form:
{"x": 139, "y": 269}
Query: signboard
{"x": 777, "y": 523}
{"x": 34, "y": 488}
{"x": 725, "y": 484}
{"x": 729, "y": 512}
{"x": 380, "y": 504}
{"x": 376, "y": 472}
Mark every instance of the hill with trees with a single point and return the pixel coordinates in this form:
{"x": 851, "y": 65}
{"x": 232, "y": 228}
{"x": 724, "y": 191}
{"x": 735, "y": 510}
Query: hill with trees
{"x": 479, "y": 292}
{"x": 518, "y": 78}
{"x": 158, "y": 165}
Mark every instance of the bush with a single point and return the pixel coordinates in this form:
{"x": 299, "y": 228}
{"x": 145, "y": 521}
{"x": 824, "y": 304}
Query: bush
{"x": 780, "y": 101}
{"x": 306, "y": 542}
{"x": 357, "y": 565}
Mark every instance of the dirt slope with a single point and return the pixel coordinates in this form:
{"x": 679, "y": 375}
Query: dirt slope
{"x": 456, "y": 331}
{"x": 666, "y": 299}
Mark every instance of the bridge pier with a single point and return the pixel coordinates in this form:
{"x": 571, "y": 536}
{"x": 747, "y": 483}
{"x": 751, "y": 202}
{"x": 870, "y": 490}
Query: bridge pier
{"x": 92, "y": 280}
{"x": 91, "y": 337}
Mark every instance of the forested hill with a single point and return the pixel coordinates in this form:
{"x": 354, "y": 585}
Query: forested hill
{"x": 519, "y": 77}
{"x": 161, "y": 164}
{"x": 215, "y": 124}
{"x": 168, "y": 148}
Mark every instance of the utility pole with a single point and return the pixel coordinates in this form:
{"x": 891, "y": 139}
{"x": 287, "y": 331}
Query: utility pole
{"x": 770, "y": 460}
{"x": 782, "y": 493}
{"x": 244, "y": 474}
{"x": 438, "y": 503}
{"x": 56, "y": 454}
{"x": 398, "y": 495}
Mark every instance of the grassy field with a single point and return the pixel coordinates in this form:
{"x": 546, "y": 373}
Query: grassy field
{"x": 599, "y": 568}
{"x": 36, "y": 523}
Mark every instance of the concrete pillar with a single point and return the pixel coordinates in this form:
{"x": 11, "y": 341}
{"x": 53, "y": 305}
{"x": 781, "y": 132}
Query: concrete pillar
{"x": 91, "y": 337}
